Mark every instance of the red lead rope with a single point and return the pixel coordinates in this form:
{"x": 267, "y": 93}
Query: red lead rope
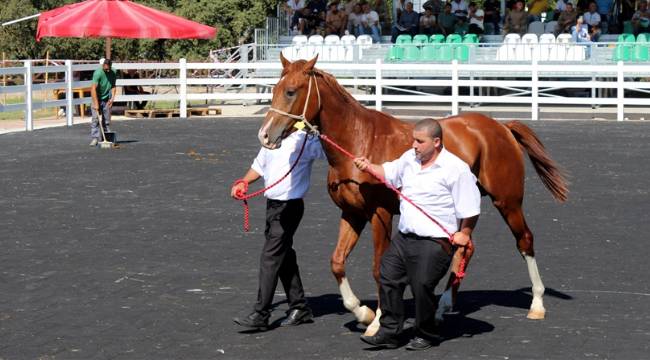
{"x": 241, "y": 195}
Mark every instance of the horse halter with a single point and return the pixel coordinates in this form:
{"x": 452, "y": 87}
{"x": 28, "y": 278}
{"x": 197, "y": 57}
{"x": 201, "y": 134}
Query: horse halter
{"x": 302, "y": 120}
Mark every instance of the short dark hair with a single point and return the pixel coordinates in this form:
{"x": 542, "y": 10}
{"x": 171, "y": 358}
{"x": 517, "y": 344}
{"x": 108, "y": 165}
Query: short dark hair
{"x": 431, "y": 127}
{"x": 108, "y": 62}
{"x": 472, "y": 4}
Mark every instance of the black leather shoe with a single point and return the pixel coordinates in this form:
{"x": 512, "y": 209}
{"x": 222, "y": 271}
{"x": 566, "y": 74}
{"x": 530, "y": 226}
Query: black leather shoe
{"x": 297, "y": 317}
{"x": 418, "y": 343}
{"x": 380, "y": 341}
{"x": 255, "y": 320}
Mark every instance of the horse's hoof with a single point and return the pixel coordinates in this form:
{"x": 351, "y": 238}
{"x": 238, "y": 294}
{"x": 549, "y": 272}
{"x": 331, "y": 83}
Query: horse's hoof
{"x": 365, "y": 315}
{"x": 536, "y": 314}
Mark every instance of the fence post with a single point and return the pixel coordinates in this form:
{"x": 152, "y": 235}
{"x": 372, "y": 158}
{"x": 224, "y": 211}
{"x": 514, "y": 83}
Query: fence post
{"x": 454, "y": 87}
{"x": 378, "y": 104}
{"x": 620, "y": 92}
{"x": 183, "y": 83}
{"x": 29, "y": 121}
{"x": 68, "y": 92}
{"x": 535, "y": 91}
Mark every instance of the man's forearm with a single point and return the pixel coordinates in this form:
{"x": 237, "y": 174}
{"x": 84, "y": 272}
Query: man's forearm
{"x": 467, "y": 225}
{"x": 251, "y": 176}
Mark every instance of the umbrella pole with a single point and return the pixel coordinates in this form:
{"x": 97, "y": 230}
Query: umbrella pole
{"x": 107, "y": 48}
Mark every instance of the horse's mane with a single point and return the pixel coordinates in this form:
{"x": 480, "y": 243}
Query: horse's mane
{"x": 331, "y": 82}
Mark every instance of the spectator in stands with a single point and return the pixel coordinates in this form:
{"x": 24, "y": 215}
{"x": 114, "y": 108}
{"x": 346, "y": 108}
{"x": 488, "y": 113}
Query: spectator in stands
{"x": 428, "y": 24}
{"x": 132, "y": 74}
{"x": 582, "y": 6}
{"x": 436, "y": 7}
{"x": 306, "y": 21}
{"x": 492, "y": 9}
{"x": 349, "y": 6}
{"x": 321, "y": 24}
{"x": 399, "y": 6}
{"x": 317, "y": 6}
{"x": 380, "y": 8}
{"x": 641, "y": 18}
{"x": 591, "y": 17}
{"x": 354, "y": 19}
{"x": 516, "y": 21}
{"x": 560, "y": 6}
{"x": 476, "y": 17}
{"x": 370, "y": 23}
{"x": 462, "y": 27}
{"x": 336, "y": 20}
{"x": 447, "y": 21}
{"x": 566, "y": 20}
{"x": 407, "y": 24}
{"x": 535, "y": 9}
{"x": 459, "y": 8}
{"x": 580, "y": 32}
{"x": 604, "y": 7}
{"x": 626, "y": 12}
{"x": 294, "y": 8}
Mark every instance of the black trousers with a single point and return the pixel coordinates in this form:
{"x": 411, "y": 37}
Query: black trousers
{"x": 420, "y": 263}
{"x": 278, "y": 259}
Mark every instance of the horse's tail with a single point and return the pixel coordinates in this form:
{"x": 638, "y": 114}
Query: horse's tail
{"x": 548, "y": 170}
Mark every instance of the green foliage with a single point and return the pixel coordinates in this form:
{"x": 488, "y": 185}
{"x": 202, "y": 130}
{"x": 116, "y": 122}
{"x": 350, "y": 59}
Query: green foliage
{"x": 234, "y": 20}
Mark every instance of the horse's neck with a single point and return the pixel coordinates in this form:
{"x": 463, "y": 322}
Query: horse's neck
{"x": 345, "y": 122}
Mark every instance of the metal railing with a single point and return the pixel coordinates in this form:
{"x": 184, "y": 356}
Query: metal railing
{"x": 534, "y": 84}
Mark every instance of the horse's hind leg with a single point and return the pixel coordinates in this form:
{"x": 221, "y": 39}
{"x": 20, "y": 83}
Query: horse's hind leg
{"x": 514, "y": 216}
{"x": 349, "y": 230}
{"x": 382, "y": 226}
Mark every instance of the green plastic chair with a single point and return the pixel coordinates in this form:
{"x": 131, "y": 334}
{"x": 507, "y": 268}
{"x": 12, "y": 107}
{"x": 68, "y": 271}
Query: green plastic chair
{"x": 395, "y": 53}
{"x": 403, "y": 39}
{"x": 446, "y": 52}
{"x": 461, "y": 53}
{"x": 437, "y": 38}
{"x": 640, "y": 52}
{"x": 643, "y": 38}
{"x": 420, "y": 39}
{"x": 470, "y": 39}
{"x": 627, "y": 27}
{"x": 428, "y": 52}
{"x": 624, "y": 47}
{"x": 454, "y": 38}
{"x": 411, "y": 53}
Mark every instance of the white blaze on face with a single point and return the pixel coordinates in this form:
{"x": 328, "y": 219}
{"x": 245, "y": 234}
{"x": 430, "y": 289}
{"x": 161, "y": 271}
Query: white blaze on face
{"x": 263, "y": 131}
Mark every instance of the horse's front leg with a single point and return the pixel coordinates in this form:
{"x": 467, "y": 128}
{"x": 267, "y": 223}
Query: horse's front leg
{"x": 349, "y": 230}
{"x": 448, "y": 298}
{"x": 382, "y": 224}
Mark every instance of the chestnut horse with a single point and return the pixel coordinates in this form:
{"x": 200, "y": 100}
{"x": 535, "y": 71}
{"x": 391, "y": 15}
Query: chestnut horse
{"x": 492, "y": 150}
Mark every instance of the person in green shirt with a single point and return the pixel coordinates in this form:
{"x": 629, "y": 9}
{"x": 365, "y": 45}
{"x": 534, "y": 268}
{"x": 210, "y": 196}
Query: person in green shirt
{"x": 103, "y": 93}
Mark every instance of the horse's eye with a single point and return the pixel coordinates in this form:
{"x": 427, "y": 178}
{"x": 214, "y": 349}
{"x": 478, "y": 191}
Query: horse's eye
{"x": 291, "y": 92}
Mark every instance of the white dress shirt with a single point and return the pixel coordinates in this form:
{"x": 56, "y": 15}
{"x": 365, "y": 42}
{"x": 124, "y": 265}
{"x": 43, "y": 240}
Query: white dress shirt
{"x": 273, "y": 164}
{"x": 591, "y": 19}
{"x": 446, "y": 191}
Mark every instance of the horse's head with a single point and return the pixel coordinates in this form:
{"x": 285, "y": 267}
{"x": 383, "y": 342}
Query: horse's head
{"x": 295, "y": 98}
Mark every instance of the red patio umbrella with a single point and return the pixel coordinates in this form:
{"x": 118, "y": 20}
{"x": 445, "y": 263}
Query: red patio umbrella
{"x": 120, "y": 19}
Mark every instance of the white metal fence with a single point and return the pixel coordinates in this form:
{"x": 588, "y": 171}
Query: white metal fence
{"x": 453, "y": 84}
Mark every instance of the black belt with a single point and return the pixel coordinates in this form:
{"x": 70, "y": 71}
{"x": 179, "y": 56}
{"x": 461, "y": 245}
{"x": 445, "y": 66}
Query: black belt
{"x": 443, "y": 241}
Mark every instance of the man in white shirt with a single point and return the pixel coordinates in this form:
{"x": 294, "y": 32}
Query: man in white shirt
{"x": 370, "y": 23}
{"x": 420, "y": 254}
{"x": 475, "y": 19}
{"x": 459, "y": 8}
{"x": 592, "y": 17}
{"x": 284, "y": 210}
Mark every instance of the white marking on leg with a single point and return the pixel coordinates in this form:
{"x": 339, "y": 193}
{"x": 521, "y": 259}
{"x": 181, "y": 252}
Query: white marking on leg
{"x": 372, "y": 329}
{"x": 444, "y": 305}
{"x": 351, "y": 302}
{"x": 537, "y": 310}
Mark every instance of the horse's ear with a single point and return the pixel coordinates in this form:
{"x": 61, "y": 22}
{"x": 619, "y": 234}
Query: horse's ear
{"x": 284, "y": 61}
{"x": 309, "y": 65}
